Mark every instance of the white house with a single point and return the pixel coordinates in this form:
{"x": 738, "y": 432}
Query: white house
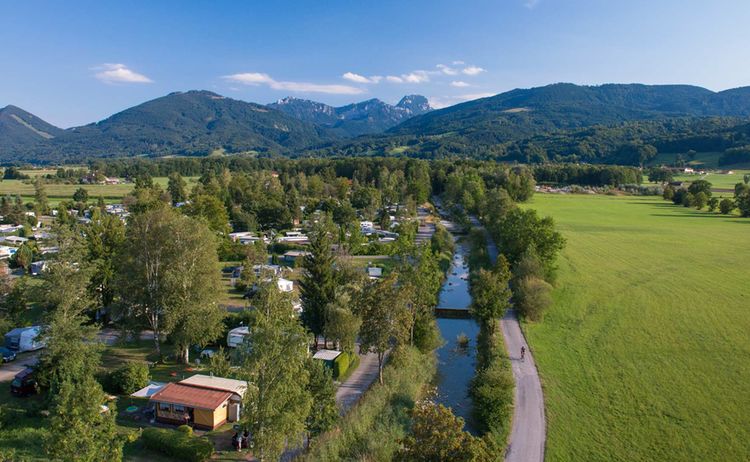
{"x": 294, "y": 237}
{"x": 8, "y": 229}
{"x": 246, "y": 237}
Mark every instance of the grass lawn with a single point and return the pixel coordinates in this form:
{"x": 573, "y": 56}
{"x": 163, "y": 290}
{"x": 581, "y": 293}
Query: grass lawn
{"x": 143, "y": 350}
{"x": 57, "y": 192}
{"x": 645, "y": 353}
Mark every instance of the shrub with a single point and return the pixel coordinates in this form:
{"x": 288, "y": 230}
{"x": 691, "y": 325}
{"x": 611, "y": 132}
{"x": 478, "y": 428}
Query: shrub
{"x": 726, "y": 206}
{"x": 130, "y": 377}
{"x": 343, "y": 363}
{"x": 179, "y": 445}
{"x": 186, "y": 429}
{"x": 532, "y": 296}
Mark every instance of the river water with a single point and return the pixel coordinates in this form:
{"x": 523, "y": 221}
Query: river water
{"x": 456, "y": 363}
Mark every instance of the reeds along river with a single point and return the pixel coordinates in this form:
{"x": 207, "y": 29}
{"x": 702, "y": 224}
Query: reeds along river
{"x": 456, "y": 361}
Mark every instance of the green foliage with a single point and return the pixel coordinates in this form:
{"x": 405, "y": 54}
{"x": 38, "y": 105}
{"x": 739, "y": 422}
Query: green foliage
{"x": 342, "y": 364}
{"x": 521, "y": 229}
{"x": 131, "y": 377}
{"x": 81, "y": 195}
{"x": 323, "y": 413}
{"x": 372, "y": 429}
{"x": 385, "y": 318}
{"x": 176, "y": 188}
{"x": 726, "y": 206}
{"x": 317, "y": 287}
{"x": 532, "y": 297}
{"x": 437, "y": 436}
{"x": 273, "y": 360}
{"x": 167, "y": 278}
{"x": 490, "y": 293}
{"x": 177, "y": 444}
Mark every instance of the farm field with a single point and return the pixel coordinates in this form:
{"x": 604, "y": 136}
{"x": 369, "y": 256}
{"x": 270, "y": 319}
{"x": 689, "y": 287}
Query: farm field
{"x": 645, "y": 353}
{"x": 58, "y": 192}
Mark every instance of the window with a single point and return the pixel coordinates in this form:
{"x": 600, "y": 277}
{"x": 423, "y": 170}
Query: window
{"x": 178, "y": 408}
{"x": 165, "y": 407}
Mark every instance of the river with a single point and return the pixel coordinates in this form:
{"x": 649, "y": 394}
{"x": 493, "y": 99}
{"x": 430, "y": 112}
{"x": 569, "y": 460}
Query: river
{"x": 455, "y": 362}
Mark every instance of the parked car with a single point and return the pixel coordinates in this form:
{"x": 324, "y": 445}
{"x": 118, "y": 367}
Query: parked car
{"x": 24, "y": 383}
{"x": 8, "y": 355}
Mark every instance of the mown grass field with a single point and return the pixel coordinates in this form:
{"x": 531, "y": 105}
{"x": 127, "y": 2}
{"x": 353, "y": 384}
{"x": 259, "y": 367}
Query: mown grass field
{"x": 645, "y": 354}
{"x": 57, "y": 192}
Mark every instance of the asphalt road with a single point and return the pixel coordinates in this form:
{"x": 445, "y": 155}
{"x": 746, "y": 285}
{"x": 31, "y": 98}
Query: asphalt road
{"x": 527, "y": 434}
{"x": 24, "y": 360}
{"x": 358, "y": 383}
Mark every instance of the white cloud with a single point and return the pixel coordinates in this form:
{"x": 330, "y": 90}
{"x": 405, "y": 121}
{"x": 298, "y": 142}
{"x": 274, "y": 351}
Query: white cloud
{"x": 472, "y": 70}
{"x": 458, "y": 63}
{"x": 394, "y": 79}
{"x": 259, "y": 78}
{"x": 447, "y": 70}
{"x": 459, "y": 84}
{"x": 351, "y": 76}
{"x": 439, "y": 102}
{"x": 416, "y": 77}
{"x": 530, "y": 4}
{"x": 119, "y": 73}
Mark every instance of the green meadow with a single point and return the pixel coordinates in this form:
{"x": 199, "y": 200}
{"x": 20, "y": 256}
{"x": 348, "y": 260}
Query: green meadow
{"x": 58, "y": 192}
{"x": 645, "y": 353}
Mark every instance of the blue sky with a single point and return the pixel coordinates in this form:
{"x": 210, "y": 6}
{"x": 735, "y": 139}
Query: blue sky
{"x": 76, "y": 62}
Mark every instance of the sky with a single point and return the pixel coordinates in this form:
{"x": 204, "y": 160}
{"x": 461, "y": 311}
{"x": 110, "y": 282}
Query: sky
{"x": 76, "y": 62}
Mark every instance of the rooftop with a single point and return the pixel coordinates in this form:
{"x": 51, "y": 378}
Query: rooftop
{"x": 217, "y": 383}
{"x": 191, "y": 396}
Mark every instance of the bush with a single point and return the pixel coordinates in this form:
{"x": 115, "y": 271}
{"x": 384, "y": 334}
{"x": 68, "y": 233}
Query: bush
{"x": 343, "y": 363}
{"x": 179, "y": 445}
{"x": 186, "y": 429}
{"x": 130, "y": 377}
{"x": 532, "y": 296}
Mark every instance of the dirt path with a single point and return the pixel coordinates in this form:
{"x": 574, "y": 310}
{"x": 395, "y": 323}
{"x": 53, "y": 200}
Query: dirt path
{"x": 358, "y": 383}
{"x": 527, "y": 433}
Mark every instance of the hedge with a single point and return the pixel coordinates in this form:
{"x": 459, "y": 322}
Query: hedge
{"x": 179, "y": 445}
{"x": 343, "y": 363}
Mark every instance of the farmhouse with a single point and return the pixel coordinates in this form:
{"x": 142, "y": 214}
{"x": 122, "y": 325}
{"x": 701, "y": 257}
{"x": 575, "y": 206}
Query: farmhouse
{"x": 202, "y": 401}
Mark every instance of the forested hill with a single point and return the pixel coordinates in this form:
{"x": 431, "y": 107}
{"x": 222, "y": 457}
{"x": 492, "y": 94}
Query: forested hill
{"x": 525, "y": 112}
{"x": 20, "y": 129}
{"x": 628, "y": 124}
{"x": 363, "y": 118}
{"x": 181, "y": 123}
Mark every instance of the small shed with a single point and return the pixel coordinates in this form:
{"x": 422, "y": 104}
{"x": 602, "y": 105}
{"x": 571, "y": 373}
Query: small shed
{"x": 327, "y": 356}
{"x": 374, "y": 272}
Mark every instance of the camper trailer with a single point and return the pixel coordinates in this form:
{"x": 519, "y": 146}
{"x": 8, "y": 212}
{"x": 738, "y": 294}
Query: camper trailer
{"x": 236, "y": 336}
{"x": 24, "y": 339}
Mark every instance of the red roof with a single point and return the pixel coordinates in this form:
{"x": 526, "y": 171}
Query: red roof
{"x": 191, "y": 396}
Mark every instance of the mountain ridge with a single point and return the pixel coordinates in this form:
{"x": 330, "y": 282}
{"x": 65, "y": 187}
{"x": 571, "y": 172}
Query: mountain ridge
{"x": 363, "y": 118}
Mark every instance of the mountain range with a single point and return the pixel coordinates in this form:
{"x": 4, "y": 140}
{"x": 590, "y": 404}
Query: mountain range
{"x": 203, "y": 122}
{"x": 365, "y": 118}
